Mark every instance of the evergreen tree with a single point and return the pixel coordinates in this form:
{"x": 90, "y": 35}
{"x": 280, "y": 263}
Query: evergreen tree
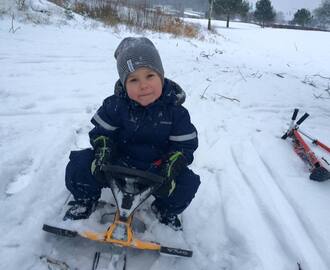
{"x": 230, "y": 8}
{"x": 264, "y": 12}
{"x": 323, "y": 13}
{"x": 302, "y": 17}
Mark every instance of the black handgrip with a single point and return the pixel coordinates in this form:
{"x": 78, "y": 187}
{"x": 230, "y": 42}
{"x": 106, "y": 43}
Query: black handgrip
{"x": 176, "y": 251}
{"x": 150, "y": 177}
{"x": 59, "y": 231}
{"x": 295, "y": 113}
{"x": 302, "y": 119}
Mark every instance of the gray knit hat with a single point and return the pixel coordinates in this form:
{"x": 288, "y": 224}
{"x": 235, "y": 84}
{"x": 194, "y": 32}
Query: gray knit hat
{"x": 133, "y": 53}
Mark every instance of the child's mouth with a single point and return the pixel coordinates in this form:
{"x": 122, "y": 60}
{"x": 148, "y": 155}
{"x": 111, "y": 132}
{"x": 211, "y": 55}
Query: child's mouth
{"x": 145, "y": 95}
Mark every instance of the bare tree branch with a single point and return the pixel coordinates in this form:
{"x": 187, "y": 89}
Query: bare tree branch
{"x": 203, "y": 54}
{"x": 231, "y": 99}
{"x": 12, "y": 28}
{"x": 308, "y": 81}
{"x": 328, "y": 89}
{"x": 323, "y": 77}
{"x": 239, "y": 70}
{"x": 279, "y": 75}
{"x": 320, "y": 96}
{"x": 203, "y": 95}
{"x": 256, "y": 75}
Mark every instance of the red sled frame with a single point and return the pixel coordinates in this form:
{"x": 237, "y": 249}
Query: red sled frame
{"x": 318, "y": 171}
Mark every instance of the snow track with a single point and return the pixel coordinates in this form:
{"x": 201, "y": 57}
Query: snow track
{"x": 300, "y": 223}
{"x": 289, "y": 230}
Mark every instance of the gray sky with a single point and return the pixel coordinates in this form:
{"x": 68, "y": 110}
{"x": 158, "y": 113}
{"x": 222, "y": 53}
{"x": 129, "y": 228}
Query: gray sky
{"x": 289, "y": 7}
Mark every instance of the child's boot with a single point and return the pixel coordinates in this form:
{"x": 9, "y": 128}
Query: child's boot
{"x": 80, "y": 209}
{"x": 166, "y": 218}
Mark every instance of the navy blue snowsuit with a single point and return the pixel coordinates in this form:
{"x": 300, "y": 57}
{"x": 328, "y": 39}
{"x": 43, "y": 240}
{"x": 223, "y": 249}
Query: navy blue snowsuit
{"x": 142, "y": 135}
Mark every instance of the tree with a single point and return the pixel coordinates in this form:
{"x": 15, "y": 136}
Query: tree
{"x": 322, "y": 13}
{"x": 231, "y": 7}
{"x": 264, "y": 12}
{"x": 302, "y": 17}
{"x": 245, "y": 8}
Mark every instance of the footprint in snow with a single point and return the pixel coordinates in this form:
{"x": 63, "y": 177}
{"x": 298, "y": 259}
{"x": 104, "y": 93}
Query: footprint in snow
{"x": 22, "y": 179}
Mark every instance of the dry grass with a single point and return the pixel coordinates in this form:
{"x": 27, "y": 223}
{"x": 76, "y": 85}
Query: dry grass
{"x": 105, "y": 14}
{"x": 61, "y": 3}
{"x": 139, "y": 17}
{"x": 180, "y": 28}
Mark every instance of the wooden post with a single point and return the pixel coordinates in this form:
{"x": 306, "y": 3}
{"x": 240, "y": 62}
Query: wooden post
{"x": 210, "y": 14}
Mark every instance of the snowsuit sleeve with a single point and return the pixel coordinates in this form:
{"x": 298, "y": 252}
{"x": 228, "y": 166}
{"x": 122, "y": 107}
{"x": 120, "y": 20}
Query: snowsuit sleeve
{"x": 183, "y": 135}
{"x": 106, "y": 120}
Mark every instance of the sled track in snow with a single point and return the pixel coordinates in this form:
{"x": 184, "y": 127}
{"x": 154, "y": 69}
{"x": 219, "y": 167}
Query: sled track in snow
{"x": 234, "y": 251}
{"x": 269, "y": 217}
{"x": 285, "y": 202}
{"x": 298, "y": 213}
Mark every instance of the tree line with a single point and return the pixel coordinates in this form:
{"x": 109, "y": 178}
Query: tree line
{"x": 264, "y": 13}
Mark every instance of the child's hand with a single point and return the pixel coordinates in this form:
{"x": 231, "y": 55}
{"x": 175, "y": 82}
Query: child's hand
{"x": 171, "y": 168}
{"x": 173, "y": 164}
{"x": 166, "y": 189}
{"x": 104, "y": 152}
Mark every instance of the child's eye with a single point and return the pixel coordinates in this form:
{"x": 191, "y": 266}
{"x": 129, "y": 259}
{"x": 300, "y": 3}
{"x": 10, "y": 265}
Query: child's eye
{"x": 132, "y": 80}
{"x": 150, "y": 75}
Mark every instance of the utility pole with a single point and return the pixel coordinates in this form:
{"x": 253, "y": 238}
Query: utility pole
{"x": 210, "y": 14}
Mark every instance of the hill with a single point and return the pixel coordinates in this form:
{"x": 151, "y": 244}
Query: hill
{"x": 256, "y": 207}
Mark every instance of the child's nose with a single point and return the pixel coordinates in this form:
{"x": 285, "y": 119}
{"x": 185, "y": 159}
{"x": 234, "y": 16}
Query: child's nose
{"x": 143, "y": 84}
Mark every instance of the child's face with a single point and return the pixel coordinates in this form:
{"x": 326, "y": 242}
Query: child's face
{"x": 144, "y": 86}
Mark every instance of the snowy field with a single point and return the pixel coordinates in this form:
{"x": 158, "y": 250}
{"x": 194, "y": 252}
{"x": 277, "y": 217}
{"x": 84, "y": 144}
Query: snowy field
{"x": 256, "y": 208}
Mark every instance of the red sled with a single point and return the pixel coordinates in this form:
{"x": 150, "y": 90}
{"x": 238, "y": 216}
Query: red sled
{"x": 318, "y": 171}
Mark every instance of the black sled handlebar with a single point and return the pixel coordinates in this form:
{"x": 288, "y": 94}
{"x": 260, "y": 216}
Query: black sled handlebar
{"x": 295, "y": 113}
{"x": 302, "y": 119}
{"x": 294, "y": 125}
{"x": 145, "y": 177}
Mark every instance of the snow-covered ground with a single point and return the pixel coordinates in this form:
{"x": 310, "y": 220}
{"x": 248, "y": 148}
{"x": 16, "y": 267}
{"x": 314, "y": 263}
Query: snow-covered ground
{"x": 256, "y": 207}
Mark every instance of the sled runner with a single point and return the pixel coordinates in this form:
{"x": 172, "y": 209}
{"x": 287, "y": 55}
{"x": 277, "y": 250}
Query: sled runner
{"x": 318, "y": 171}
{"x": 130, "y": 189}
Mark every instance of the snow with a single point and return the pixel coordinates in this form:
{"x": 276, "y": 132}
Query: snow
{"x": 256, "y": 207}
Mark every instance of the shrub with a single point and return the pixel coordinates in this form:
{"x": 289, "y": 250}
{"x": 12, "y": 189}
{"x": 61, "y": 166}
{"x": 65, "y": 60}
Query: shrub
{"x": 134, "y": 15}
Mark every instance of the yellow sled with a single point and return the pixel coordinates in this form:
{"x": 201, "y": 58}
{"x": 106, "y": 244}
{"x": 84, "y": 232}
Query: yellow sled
{"x": 130, "y": 189}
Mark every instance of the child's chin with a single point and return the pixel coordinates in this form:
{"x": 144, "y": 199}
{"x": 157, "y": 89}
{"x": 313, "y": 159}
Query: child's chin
{"x": 145, "y": 103}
